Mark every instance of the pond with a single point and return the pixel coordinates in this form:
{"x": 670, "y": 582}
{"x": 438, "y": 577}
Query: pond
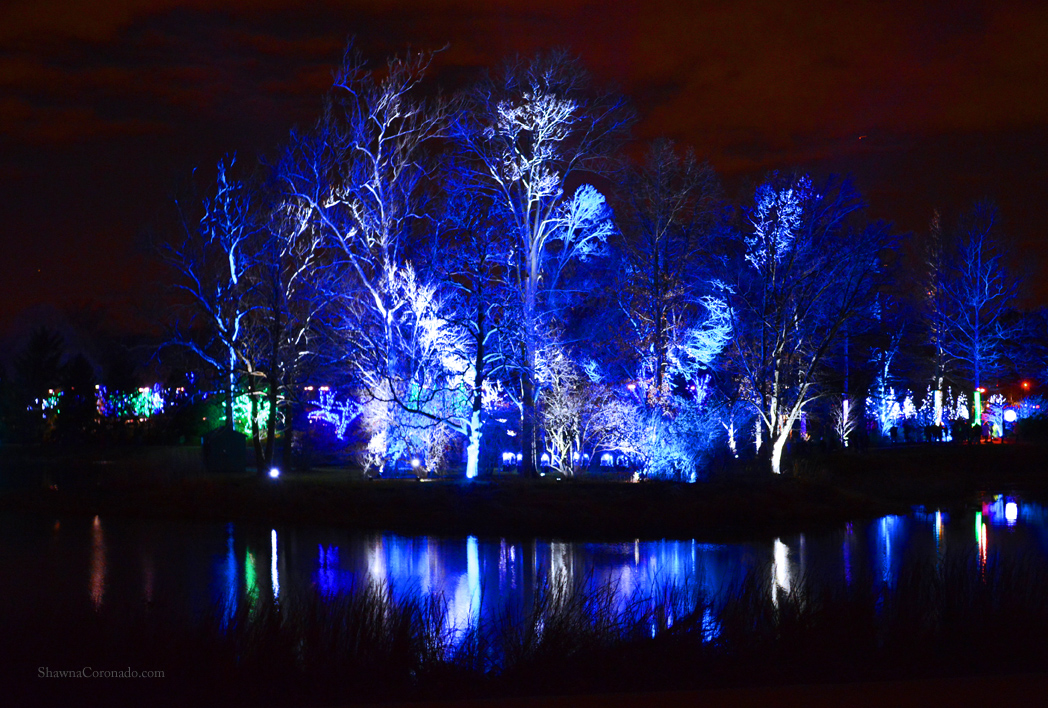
{"x": 191, "y": 568}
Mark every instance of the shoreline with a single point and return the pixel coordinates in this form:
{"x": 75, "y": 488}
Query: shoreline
{"x": 822, "y": 492}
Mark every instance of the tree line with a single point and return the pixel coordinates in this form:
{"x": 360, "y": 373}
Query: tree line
{"x": 449, "y": 259}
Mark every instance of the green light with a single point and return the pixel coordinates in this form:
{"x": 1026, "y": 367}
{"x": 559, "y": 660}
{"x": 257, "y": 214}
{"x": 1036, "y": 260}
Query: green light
{"x": 250, "y": 579}
{"x": 242, "y": 412}
{"x": 143, "y": 403}
{"x": 978, "y": 407}
{"x": 978, "y": 526}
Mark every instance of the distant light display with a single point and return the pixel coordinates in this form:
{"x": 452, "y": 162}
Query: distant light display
{"x": 242, "y": 412}
{"x": 141, "y": 403}
{"x": 331, "y": 411}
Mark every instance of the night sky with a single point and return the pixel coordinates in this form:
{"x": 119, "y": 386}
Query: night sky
{"x": 106, "y": 107}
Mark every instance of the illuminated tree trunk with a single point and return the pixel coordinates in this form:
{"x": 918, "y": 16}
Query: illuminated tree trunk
{"x": 776, "y": 452}
{"x": 272, "y": 394}
{"x": 474, "y": 432}
{"x": 527, "y": 425}
{"x": 230, "y": 388}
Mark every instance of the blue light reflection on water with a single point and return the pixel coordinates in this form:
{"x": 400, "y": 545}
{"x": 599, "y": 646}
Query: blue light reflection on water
{"x": 222, "y": 568}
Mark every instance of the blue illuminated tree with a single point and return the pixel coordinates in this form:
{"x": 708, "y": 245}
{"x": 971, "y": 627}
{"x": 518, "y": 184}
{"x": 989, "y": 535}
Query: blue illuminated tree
{"x": 292, "y": 278}
{"x": 370, "y": 205}
{"x": 801, "y": 271}
{"x": 978, "y": 291}
{"x": 670, "y": 206}
{"x": 470, "y": 252}
{"x": 213, "y": 260}
{"x": 525, "y": 133}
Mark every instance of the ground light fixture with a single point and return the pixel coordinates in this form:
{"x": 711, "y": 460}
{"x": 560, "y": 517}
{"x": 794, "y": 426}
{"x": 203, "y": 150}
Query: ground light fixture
{"x": 274, "y": 473}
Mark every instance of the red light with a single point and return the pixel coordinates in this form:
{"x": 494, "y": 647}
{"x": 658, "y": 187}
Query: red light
{"x": 1026, "y": 384}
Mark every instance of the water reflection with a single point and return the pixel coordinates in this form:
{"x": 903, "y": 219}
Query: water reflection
{"x": 274, "y": 572}
{"x": 846, "y": 553}
{"x": 983, "y": 541}
{"x": 780, "y": 571}
{"x": 250, "y": 581}
{"x": 227, "y": 582}
{"x": 98, "y": 564}
{"x": 222, "y": 569}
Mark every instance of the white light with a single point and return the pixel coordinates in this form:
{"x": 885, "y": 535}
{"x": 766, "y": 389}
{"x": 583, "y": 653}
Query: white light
{"x": 1011, "y": 512}
{"x": 511, "y": 433}
{"x": 415, "y": 462}
{"x": 545, "y": 458}
{"x": 1009, "y": 416}
{"x": 780, "y": 565}
{"x": 274, "y": 473}
{"x": 508, "y": 457}
{"x": 274, "y": 574}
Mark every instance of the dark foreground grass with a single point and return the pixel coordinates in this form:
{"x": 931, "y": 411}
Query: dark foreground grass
{"x": 736, "y": 502}
{"x": 367, "y": 647}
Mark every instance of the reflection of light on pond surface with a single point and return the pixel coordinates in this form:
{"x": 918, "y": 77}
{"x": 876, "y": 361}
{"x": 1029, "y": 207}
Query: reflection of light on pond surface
{"x": 98, "y": 564}
{"x": 780, "y": 571}
{"x": 940, "y": 541}
{"x": 479, "y": 580}
{"x": 464, "y": 605}
{"x": 1011, "y": 513}
{"x": 228, "y": 581}
{"x": 889, "y": 528}
{"x": 980, "y": 531}
{"x": 273, "y": 572}
{"x": 217, "y": 570}
{"x": 327, "y": 570}
{"x": 250, "y": 579}
{"x": 849, "y": 536}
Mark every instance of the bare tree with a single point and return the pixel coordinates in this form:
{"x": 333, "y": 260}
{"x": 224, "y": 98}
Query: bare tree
{"x": 291, "y": 275}
{"x": 978, "y": 290}
{"x": 368, "y": 198}
{"x": 526, "y": 132}
{"x": 214, "y": 259}
{"x": 669, "y": 208}
{"x": 802, "y": 275}
{"x": 936, "y": 309}
{"x": 470, "y": 253}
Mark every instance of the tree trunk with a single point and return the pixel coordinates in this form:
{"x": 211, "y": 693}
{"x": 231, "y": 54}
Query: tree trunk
{"x": 229, "y": 390}
{"x": 473, "y": 448}
{"x": 527, "y": 425}
{"x": 256, "y": 434}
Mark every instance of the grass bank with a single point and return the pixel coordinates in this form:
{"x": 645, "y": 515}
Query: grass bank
{"x": 735, "y": 503}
